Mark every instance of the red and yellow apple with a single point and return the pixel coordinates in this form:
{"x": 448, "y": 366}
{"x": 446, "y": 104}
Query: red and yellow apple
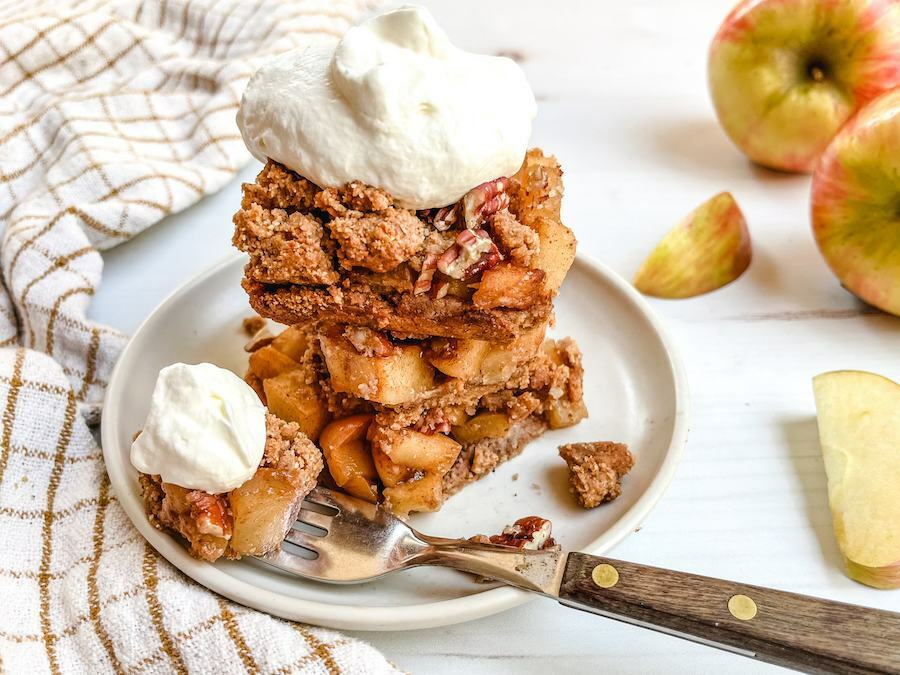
{"x": 856, "y": 204}
{"x": 709, "y": 248}
{"x": 785, "y": 75}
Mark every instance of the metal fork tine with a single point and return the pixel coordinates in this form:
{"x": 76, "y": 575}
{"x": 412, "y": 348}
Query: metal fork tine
{"x": 322, "y": 497}
{"x": 313, "y": 518}
{"x": 306, "y": 567}
{"x": 304, "y": 539}
{"x": 360, "y": 542}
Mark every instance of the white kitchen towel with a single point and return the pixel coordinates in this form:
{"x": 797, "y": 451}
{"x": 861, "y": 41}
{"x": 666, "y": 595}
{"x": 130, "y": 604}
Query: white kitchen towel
{"x": 113, "y": 114}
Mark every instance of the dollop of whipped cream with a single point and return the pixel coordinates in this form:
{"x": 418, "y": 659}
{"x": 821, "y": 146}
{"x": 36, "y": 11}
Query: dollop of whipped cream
{"x": 206, "y": 429}
{"x": 395, "y": 105}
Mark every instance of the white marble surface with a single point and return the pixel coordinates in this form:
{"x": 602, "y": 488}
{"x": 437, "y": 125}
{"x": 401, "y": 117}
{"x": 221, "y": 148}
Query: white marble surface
{"x": 623, "y": 103}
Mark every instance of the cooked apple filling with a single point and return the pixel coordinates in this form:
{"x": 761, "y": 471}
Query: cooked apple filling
{"x": 485, "y": 268}
{"x": 251, "y": 519}
{"x": 412, "y": 421}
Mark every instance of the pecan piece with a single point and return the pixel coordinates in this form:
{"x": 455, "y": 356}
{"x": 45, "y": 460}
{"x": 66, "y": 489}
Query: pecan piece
{"x": 484, "y": 200}
{"x": 530, "y": 533}
{"x": 473, "y": 252}
{"x": 446, "y": 217}
{"x": 439, "y": 289}
{"x": 368, "y": 342}
{"x": 423, "y": 283}
{"x": 210, "y": 513}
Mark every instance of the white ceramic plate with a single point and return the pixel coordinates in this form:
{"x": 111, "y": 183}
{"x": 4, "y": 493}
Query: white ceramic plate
{"x": 635, "y": 390}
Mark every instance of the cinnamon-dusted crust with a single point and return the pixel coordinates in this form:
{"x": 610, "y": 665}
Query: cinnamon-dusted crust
{"x": 359, "y": 304}
{"x": 352, "y": 256}
{"x": 206, "y": 520}
{"x": 479, "y": 459}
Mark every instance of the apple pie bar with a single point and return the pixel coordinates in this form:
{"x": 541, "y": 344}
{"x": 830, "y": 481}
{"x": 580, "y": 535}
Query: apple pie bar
{"x": 253, "y": 518}
{"x": 411, "y": 422}
{"x": 485, "y": 268}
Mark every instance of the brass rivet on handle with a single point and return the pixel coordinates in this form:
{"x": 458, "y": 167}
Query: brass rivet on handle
{"x": 605, "y": 576}
{"x": 742, "y": 607}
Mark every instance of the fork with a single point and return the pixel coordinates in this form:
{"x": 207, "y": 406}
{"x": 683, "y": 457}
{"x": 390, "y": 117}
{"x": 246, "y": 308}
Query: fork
{"x": 345, "y": 540}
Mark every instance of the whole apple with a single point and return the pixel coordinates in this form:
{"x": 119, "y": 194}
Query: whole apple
{"x": 786, "y": 74}
{"x": 856, "y": 203}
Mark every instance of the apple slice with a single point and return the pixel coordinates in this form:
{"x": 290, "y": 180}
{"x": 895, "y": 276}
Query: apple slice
{"x": 705, "y": 251}
{"x": 859, "y": 431}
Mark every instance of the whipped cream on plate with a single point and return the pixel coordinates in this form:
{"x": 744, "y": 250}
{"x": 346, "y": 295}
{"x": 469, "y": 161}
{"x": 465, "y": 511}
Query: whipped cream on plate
{"x": 206, "y": 429}
{"x": 395, "y": 105}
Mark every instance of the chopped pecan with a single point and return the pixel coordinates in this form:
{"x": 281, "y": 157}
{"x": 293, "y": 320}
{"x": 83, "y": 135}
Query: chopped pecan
{"x": 473, "y": 252}
{"x": 531, "y": 533}
{"x": 210, "y": 513}
{"x": 488, "y": 260}
{"x": 368, "y": 342}
{"x": 446, "y": 217}
{"x": 482, "y": 201}
{"x": 440, "y": 288}
{"x": 423, "y": 283}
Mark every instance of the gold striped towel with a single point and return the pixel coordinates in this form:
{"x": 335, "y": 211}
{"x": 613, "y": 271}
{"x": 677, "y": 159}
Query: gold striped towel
{"x": 114, "y": 113}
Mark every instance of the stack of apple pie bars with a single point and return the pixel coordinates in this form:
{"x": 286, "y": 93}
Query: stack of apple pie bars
{"x": 416, "y": 354}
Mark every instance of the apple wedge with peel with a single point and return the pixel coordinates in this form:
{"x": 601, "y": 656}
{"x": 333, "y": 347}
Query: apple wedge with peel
{"x": 708, "y": 249}
{"x": 859, "y": 431}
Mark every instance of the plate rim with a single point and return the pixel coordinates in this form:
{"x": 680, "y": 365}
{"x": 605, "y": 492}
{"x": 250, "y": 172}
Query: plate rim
{"x": 387, "y": 618}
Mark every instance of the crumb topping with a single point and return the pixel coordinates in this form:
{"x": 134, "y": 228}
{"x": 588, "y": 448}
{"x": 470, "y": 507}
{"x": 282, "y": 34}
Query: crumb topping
{"x": 277, "y": 187}
{"x": 377, "y": 241}
{"x": 354, "y": 196}
{"x": 283, "y": 247}
{"x": 288, "y": 449}
{"x": 516, "y": 241}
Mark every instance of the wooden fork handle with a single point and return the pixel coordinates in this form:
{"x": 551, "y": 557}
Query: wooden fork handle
{"x": 787, "y": 629}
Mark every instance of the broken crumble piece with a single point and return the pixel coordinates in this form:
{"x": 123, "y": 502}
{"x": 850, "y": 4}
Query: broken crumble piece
{"x": 253, "y": 324}
{"x": 596, "y": 470}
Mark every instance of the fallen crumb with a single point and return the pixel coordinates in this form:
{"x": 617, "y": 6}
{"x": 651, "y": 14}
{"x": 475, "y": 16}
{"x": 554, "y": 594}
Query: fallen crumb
{"x": 596, "y": 470}
{"x": 536, "y": 488}
{"x": 253, "y": 324}
{"x": 515, "y": 477}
